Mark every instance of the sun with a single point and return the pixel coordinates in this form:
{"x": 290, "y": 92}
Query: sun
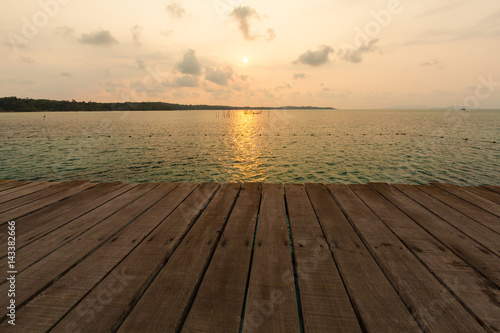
{"x": 245, "y": 60}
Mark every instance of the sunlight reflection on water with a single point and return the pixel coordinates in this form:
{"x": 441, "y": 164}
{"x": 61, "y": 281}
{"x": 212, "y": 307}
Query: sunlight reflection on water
{"x": 341, "y": 146}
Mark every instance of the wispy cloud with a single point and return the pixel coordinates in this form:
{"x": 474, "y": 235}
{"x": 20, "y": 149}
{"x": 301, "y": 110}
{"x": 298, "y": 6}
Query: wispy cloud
{"x": 243, "y": 15}
{"x": 186, "y": 81}
{"x": 66, "y": 74}
{"x": 434, "y": 63}
{"x": 21, "y": 81}
{"x": 189, "y": 64}
{"x": 220, "y": 76}
{"x": 315, "y": 58}
{"x": 27, "y": 60}
{"x": 175, "y": 10}
{"x": 270, "y": 35}
{"x": 486, "y": 27}
{"x": 299, "y": 76}
{"x": 65, "y": 31}
{"x": 136, "y": 32}
{"x": 141, "y": 64}
{"x": 100, "y": 38}
{"x": 356, "y": 55}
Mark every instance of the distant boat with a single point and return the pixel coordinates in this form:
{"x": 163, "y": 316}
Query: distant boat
{"x": 253, "y": 111}
{"x": 463, "y": 109}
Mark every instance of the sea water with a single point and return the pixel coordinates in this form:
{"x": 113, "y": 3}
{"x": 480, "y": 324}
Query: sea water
{"x": 297, "y": 146}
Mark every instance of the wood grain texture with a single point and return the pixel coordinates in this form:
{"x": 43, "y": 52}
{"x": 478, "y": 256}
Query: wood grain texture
{"x": 272, "y": 303}
{"x": 475, "y": 291}
{"x": 219, "y": 302}
{"x": 259, "y": 258}
{"x": 435, "y": 307}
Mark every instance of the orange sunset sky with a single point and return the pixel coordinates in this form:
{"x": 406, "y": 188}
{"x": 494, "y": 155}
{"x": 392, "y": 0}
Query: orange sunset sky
{"x": 344, "y": 54}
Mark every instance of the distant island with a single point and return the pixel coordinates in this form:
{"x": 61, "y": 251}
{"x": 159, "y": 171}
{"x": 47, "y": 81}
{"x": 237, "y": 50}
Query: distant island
{"x": 14, "y": 104}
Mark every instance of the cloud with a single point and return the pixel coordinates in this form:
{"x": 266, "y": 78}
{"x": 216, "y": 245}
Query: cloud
{"x": 243, "y": 15}
{"x": 141, "y": 64}
{"x": 270, "y": 34}
{"x": 285, "y": 85}
{"x": 65, "y": 31}
{"x": 27, "y": 60}
{"x": 356, "y": 55}
{"x": 189, "y": 64}
{"x": 136, "y": 32}
{"x": 100, "y": 38}
{"x": 167, "y": 33}
{"x": 175, "y": 10}
{"x": 186, "y": 81}
{"x": 220, "y": 76}
{"x": 21, "y": 80}
{"x": 299, "y": 76}
{"x": 315, "y": 58}
{"x": 66, "y": 74}
{"x": 434, "y": 63}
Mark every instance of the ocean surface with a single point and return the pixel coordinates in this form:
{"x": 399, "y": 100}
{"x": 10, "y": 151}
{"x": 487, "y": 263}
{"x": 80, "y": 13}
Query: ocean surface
{"x": 329, "y": 146}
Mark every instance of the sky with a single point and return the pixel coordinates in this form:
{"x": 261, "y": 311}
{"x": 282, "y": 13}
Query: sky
{"x": 343, "y": 53}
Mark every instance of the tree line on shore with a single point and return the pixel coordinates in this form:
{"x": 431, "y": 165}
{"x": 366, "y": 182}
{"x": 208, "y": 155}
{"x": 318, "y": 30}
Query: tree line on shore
{"x": 15, "y": 104}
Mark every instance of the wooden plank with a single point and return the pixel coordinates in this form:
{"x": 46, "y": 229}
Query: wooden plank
{"x": 39, "y": 276}
{"x": 19, "y": 191}
{"x": 32, "y": 192}
{"x": 473, "y": 253}
{"x": 220, "y": 299}
{"x": 39, "y": 315}
{"x": 485, "y": 193}
{"x": 474, "y": 199}
{"x": 371, "y": 293}
{"x": 464, "y": 207}
{"x": 141, "y": 266}
{"x": 59, "y": 213}
{"x": 469, "y": 227}
{"x": 173, "y": 289}
{"x": 324, "y": 301}
{"x": 419, "y": 289}
{"x": 495, "y": 189}
{"x": 3, "y": 181}
{"x": 271, "y": 304}
{"x": 74, "y": 187}
{"x": 54, "y": 235}
{"x": 476, "y": 292}
{"x": 11, "y": 184}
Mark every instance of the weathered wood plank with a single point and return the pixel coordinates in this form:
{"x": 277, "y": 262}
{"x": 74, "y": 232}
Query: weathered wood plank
{"x": 40, "y": 275}
{"x": 39, "y": 314}
{"x": 495, "y": 189}
{"x": 53, "y": 235}
{"x": 485, "y": 193}
{"x": 140, "y": 267}
{"x": 324, "y": 301}
{"x": 474, "y": 199}
{"x": 219, "y": 301}
{"x": 468, "y": 226}
{"x": 477, "y": 293}
{"x": 59, "y": 213}
{"x": 414, "y": 282}
{"x": 271, "y": 302}
{"x": 485, "y": 218}
{"x": 174, "y": 288}
{"x": 31, "y": 192}
{"x": 11, "y": 184}
{"x": 378, "y": 305}
{"x": 77, "y": 186}
{"x": 470, "y": 251}
{"x": 19, "y": 191}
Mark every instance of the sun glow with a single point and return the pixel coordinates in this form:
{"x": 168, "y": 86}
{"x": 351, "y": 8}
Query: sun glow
{"x": 245, "y": 60}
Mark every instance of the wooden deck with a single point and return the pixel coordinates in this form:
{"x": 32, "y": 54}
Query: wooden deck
{"x": 254, "y": 257}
